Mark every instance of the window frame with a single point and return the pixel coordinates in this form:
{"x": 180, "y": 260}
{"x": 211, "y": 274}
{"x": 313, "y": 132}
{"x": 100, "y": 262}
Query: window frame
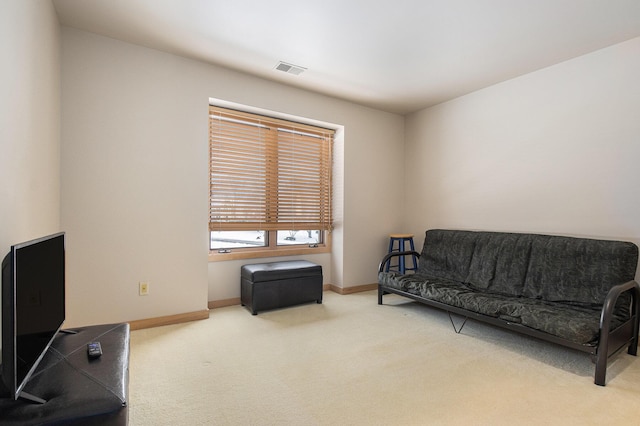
{"x": 272, "y": 249}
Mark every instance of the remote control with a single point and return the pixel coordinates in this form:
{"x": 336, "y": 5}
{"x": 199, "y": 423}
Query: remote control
{"x": 94, "y": 350}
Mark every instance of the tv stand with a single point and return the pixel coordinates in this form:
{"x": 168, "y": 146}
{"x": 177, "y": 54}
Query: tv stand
{"x": 72, "y": 388}
{"x": 31, "y": 398}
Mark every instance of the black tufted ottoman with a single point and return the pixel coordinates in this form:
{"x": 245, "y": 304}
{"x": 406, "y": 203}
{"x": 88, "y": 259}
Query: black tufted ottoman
{"x": 265, "y": 286}
{"x": 78, "y": 390}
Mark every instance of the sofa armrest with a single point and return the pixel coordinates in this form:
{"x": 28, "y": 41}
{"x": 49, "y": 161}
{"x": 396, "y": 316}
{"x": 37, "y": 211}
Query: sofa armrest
{"x": 390, "y": 256}
{"x": 605, "y": 325}
{"x": 612, "y": 298}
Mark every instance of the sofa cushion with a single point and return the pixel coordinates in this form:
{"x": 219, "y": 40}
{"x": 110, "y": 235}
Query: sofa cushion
{"x": 578, "y": 324}
{"x": 447, "y": 254}
{"x": 551, "y": 268}
{"x": 578, "y": 270}
{"x": 499, "y": 263}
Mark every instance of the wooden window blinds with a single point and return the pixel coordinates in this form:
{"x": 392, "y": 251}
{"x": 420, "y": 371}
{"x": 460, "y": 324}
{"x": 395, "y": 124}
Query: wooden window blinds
{"x": 268, "y": 174}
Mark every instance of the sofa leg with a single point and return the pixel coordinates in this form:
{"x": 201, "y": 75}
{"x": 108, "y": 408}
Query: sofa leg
{"x": 633, "y": 345}
{"x": 380, "y": 294}
{"x": 601, "y": 369}
{"x": 457, "y": 330}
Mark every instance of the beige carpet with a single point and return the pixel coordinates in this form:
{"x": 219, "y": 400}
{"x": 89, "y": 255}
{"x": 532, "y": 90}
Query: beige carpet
{"x": 349, "y": 361}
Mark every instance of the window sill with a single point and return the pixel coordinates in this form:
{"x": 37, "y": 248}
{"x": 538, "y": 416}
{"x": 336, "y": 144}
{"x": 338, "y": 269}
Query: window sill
{"x": 214, "y": 256}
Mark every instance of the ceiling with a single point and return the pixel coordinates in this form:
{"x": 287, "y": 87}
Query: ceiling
{"x": 398, "y": 56}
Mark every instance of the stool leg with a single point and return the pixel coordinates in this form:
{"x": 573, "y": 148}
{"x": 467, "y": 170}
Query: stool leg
{"x": 390, "y": 250}
{"x": 401, "y": 258}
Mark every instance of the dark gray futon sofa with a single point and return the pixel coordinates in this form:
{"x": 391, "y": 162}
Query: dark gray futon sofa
{"x": 576, "y": 292}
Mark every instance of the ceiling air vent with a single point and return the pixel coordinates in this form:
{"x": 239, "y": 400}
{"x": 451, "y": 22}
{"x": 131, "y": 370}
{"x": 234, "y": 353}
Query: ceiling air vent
{"x": 290, "y": 68}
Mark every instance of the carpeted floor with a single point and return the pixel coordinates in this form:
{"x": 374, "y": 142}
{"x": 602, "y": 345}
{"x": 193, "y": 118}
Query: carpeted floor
{"x": 349, "y": 361}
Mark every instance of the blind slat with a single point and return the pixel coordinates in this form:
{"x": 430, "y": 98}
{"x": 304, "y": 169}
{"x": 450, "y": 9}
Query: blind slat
{"x": 268, "y": 174}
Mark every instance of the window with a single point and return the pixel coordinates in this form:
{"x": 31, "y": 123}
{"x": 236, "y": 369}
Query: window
{"x": 270, "y": 184}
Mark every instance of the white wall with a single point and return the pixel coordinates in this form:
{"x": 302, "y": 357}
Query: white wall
{"x": 554, "y": 151}
{"x": 29, "y": 121}
{"x": 134, "y": 179}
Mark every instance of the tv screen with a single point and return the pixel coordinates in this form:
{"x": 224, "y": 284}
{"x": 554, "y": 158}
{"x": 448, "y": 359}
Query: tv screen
{"x": 33, "y": 307}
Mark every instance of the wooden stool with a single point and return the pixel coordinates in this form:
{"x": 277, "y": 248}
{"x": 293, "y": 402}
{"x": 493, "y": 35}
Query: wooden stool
{"x": 401, "y": 239}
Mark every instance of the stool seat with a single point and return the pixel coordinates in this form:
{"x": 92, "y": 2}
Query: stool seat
{"x": 401, "y": 239}
{"x": 401, "y": 236}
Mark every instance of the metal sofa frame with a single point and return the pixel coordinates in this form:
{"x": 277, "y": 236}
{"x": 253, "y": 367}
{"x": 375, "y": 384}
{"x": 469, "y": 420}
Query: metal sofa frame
{"x": 610, "y": 342}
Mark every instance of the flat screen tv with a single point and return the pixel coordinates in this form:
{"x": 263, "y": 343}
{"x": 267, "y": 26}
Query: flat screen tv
{"x": 33, "y": 308}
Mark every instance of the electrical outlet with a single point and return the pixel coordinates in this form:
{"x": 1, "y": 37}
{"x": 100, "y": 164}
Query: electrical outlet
{"x": 143, "y": 288}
